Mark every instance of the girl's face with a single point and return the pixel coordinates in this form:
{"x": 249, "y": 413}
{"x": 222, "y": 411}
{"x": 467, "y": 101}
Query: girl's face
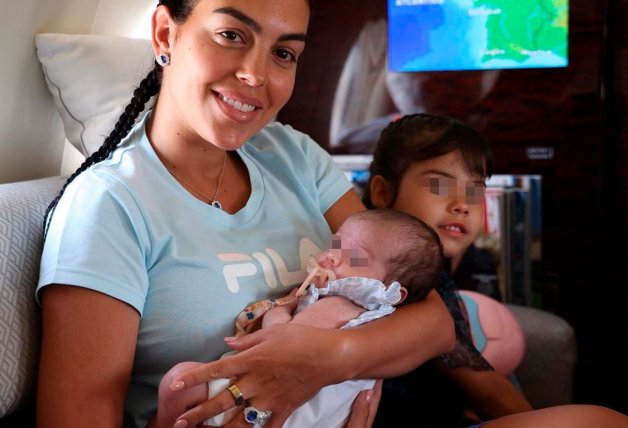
{"x": 232, "y": 66}
{"x": 441, "y": 192}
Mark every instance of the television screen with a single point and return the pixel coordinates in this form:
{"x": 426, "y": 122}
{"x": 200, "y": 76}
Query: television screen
{"x": 431, "y": 35}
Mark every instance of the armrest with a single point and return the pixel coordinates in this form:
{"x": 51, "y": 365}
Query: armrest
{"x": 546, "y": 372}
{"x": 22, "y": 206}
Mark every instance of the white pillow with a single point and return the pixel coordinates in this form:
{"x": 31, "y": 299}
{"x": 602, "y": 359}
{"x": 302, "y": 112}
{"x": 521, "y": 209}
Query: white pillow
{"x": 92, "y": 79}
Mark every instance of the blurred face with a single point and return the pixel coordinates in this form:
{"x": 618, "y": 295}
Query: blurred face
{"x": 232, "y": 67}
{"x": 442, "y": 193}
{"x": 356, "y": 250}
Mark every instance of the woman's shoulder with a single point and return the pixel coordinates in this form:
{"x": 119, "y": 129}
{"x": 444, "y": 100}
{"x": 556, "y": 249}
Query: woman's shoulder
{"x": 115, "y": 178}
{"x": 282, "y": 144}
{"x": 279, "y": 128}
{"x": 97, "y": 187}
{"x": 120, "y": 169}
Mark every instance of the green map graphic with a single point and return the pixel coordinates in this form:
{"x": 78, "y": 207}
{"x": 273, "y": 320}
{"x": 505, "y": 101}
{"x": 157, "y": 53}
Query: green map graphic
{"x": 477, "y": 34}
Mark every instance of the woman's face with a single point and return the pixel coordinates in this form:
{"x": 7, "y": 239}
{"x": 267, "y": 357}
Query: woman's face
{"x": 232, "y": 67}
{"x": 441, "y": 192}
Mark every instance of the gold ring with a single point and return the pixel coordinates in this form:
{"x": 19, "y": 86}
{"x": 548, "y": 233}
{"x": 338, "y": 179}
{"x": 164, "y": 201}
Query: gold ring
{"x": 237, "y": 394}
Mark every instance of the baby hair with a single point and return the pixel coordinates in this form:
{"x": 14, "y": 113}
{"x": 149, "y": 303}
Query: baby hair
{"x": 149, "y": 87}
{"x": 417, "y": 260}
{"x": 422, "y": 136}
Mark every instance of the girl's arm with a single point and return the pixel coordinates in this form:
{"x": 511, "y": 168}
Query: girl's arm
{"x": 83, "y": 377}
{"x": 489, "y": 394}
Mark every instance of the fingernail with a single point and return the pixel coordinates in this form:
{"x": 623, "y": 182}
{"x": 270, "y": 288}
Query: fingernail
{"x": 230, "y": 338}
{"x": 181, "y": 423}
{"x": 176, "y": 386}
{"x": 369, "y": 395}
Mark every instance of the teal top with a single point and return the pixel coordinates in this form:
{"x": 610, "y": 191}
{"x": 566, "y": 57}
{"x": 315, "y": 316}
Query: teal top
{"x": 127, "y": 228}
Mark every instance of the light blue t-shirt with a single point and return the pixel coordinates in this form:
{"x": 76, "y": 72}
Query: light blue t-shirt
{"x": 127, "y": 228}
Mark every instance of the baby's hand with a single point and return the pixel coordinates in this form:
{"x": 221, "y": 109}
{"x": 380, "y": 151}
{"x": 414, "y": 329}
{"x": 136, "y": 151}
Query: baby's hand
{"x": 281, "y": 314}
{"x": 317, "y": 275}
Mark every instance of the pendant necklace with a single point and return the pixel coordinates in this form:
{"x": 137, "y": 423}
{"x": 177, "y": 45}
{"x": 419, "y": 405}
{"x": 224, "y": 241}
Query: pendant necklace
{"x": 211, "y": 201}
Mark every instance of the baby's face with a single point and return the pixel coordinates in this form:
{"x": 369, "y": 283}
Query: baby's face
{"x": 354, "y": 251}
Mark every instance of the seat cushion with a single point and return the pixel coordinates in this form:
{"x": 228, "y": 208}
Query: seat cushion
{"x": 22, "y": 206}
{"x": 546, "y": 372}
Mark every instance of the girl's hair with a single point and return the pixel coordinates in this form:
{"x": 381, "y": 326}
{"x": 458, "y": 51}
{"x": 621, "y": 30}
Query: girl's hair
{"x": 419, "y": 137}
{"x": 149, "y": 87}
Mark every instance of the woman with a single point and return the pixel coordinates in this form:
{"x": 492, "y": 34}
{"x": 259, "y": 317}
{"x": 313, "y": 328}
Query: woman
{"x": 187, "y": 216}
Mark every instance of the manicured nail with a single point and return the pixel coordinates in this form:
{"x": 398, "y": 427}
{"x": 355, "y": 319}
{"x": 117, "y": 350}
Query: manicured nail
{"x": 369, "y": 395}
{"x": 177, "y": 385}
{"x": 181, "y": 423}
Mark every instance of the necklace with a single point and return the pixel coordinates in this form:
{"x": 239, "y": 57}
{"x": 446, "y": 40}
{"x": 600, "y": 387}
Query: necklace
{"x": 211, "y": 201}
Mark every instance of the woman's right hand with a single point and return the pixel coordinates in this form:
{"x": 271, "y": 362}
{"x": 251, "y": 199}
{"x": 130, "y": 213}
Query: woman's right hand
{"x": 279, "y": 371}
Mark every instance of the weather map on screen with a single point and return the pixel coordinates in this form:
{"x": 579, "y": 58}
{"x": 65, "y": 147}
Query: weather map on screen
{"x": 431, "y": 35}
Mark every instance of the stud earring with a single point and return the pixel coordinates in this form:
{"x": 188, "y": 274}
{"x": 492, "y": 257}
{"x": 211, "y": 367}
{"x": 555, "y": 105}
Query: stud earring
{"x": 163, "y": 59}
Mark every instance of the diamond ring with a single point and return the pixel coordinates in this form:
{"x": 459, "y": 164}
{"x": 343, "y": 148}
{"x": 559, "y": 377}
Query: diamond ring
{"x": 256, "y": 417}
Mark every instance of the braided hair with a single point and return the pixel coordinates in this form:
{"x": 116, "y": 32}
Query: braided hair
{"x": 148, "y": 88}
{"x": 422, "y": 136}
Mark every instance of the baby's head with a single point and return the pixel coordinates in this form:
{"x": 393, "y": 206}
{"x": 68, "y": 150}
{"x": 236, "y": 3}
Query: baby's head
{"x": 389, "y": 246}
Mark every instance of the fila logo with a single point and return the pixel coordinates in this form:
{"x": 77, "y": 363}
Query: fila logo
{"x": 240, "y": 265}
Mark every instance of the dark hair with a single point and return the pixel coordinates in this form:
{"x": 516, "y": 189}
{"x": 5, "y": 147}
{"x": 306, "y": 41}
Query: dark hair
{"x": 419, "y": 137}
{"x": 417, "y": 262}
{"x": 149, "y": 87}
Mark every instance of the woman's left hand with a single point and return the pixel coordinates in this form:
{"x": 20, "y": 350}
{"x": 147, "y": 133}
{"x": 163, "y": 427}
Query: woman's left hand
{"x": 276, "y": 369}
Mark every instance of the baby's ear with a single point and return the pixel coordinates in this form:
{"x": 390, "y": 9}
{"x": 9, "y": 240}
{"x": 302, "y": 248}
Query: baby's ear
{"x": 381, "y": 192}
{"x": 404, "y": 294}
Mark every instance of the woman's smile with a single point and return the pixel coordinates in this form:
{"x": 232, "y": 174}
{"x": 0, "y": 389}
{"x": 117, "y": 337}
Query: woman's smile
{"x": 239, "y": 109}
{"x": 240, "y": 106}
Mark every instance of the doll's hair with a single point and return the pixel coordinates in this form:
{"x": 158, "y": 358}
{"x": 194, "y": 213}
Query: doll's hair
{"x": 422, "y": 136}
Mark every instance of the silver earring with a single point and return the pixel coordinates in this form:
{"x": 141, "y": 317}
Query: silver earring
{"x": 163, "y": 59}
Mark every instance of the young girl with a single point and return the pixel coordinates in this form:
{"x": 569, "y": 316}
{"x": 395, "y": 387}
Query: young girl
{"x": 434, "y": 168}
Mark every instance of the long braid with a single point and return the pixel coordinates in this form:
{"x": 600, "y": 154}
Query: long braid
{"x": 148, "y": 88}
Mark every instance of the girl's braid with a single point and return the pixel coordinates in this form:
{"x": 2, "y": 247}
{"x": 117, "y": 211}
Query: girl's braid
{"x": 145, "y": 91}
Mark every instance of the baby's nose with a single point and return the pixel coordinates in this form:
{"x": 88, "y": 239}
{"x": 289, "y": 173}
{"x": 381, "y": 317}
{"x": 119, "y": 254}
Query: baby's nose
{"x": 323, "y": 259}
